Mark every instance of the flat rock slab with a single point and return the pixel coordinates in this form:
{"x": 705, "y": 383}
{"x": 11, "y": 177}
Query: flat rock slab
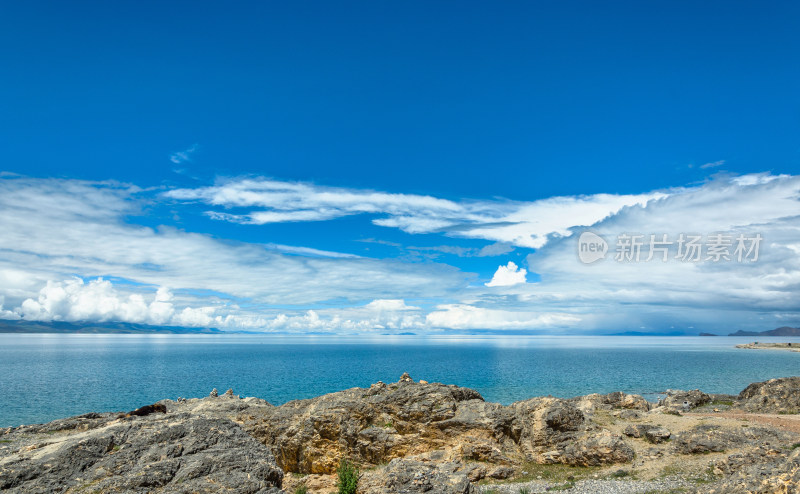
{"x": 156, "y": 453}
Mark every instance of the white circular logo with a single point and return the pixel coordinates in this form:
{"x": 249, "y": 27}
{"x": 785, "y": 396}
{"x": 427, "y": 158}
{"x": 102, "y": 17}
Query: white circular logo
{"x": 591, "y": 247}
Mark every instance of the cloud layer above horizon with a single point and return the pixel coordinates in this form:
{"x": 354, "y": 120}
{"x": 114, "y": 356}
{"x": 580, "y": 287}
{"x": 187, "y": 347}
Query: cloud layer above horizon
{"x": 98, "y": 251}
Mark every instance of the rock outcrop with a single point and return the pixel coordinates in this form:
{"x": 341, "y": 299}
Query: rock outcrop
{"x": 408, "y": 437}
{"x": 152, "y": 453}
{"x": 376, "y": 425}
{"x": 764, "y": 470}
{"x": 773, "y": 396}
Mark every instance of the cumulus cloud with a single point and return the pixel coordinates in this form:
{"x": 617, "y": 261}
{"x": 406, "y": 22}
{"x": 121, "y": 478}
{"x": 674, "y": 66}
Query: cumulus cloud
{"x": 75, "y": 300}
{"x": 100, "y": 301}
{"x": 523, "y": 224}
{"x": 380, "y": 315}
{"x": 508, "y": 275}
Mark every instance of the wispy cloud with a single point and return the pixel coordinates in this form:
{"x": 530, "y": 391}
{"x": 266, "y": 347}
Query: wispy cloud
{"x": 522, "y": 224}
{"x": 714, "y": 164}
{"x": 60, "y": 228}
{"x": 56, "y": 229}
{"x": 183, "y": 156}
{"x": 309, "y": 251}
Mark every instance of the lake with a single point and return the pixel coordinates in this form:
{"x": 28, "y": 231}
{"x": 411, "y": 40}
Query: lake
{"x": 44, "y": 377}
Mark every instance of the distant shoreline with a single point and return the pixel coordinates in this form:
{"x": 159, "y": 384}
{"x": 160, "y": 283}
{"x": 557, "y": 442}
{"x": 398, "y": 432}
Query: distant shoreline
{"x": 770, "y": 346}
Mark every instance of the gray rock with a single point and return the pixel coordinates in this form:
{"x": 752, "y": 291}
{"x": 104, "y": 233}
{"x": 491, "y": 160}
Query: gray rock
{"x": 405, "y": 476}
{"x": 653, "y": 433}
{"x": 656, "y": 434}
{"x": 712, "y": 438}
{"x": 154, "y": 453}
{"x": 628, "y": 414}
{"x": 773, "y": 396}
{"x": 684, "y": 400}
{"x": 759, "y": 471}
{"x": 599, "y": 449}
{"x": 632, "y": 431}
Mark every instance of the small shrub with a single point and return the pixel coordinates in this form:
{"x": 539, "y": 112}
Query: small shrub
{"x": 524, "y": 490}
{"x": 301, "y": 490}
{"x": 348, "y": 478}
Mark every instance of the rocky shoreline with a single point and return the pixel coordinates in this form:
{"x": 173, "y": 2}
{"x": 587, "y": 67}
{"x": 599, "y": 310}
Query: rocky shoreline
{"x": 414, "y": 437}
{"x": 770, "y": 346}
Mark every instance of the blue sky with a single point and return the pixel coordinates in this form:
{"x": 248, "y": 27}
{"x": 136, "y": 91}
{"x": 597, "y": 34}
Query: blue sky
{"x": 377, "y": 164}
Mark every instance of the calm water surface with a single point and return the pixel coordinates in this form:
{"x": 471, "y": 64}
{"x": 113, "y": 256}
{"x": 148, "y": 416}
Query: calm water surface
{"x": 44, "y": 377}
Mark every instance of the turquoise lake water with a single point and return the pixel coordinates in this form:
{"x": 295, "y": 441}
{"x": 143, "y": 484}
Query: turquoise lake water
{"x": 44, "y": 377}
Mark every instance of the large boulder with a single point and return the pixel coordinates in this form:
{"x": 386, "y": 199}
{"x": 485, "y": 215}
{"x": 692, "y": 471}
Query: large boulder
{"x": 597, "y": 449}
{"x": 546, "y": 423}
{"x": 684, "y": 400}
{"x": 653, "y": 433}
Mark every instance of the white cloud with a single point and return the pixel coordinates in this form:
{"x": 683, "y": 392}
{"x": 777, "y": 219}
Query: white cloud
{"x": 390, "y": 305}
{"x": 495, "y": 249}
{"x": 714, "y": 164}
{"x": 381, "y": 315}
{"x": 54, "y": 229}
{"x": 491, "y": 250}
{"x": 309, "y": 251}
{"x": 523, "y": 224}
{"x": 183, "y": 156}
{"x": 460, "y": 316}
{"x": 75, "y": 300}
{"x": 508, "y": 275}
{"x": 6, "y": 314}
{"x": 724, "y": 295}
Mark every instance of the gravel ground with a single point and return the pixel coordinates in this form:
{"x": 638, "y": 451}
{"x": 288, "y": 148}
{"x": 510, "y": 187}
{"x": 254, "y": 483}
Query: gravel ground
{"x": 592, "y": 486}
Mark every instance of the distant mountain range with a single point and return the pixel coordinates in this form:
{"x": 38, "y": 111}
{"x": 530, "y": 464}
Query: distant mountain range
{"x": 645, "y": 333}
{"x": 783, "y": 331}
{"x": 19, "y": 326}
